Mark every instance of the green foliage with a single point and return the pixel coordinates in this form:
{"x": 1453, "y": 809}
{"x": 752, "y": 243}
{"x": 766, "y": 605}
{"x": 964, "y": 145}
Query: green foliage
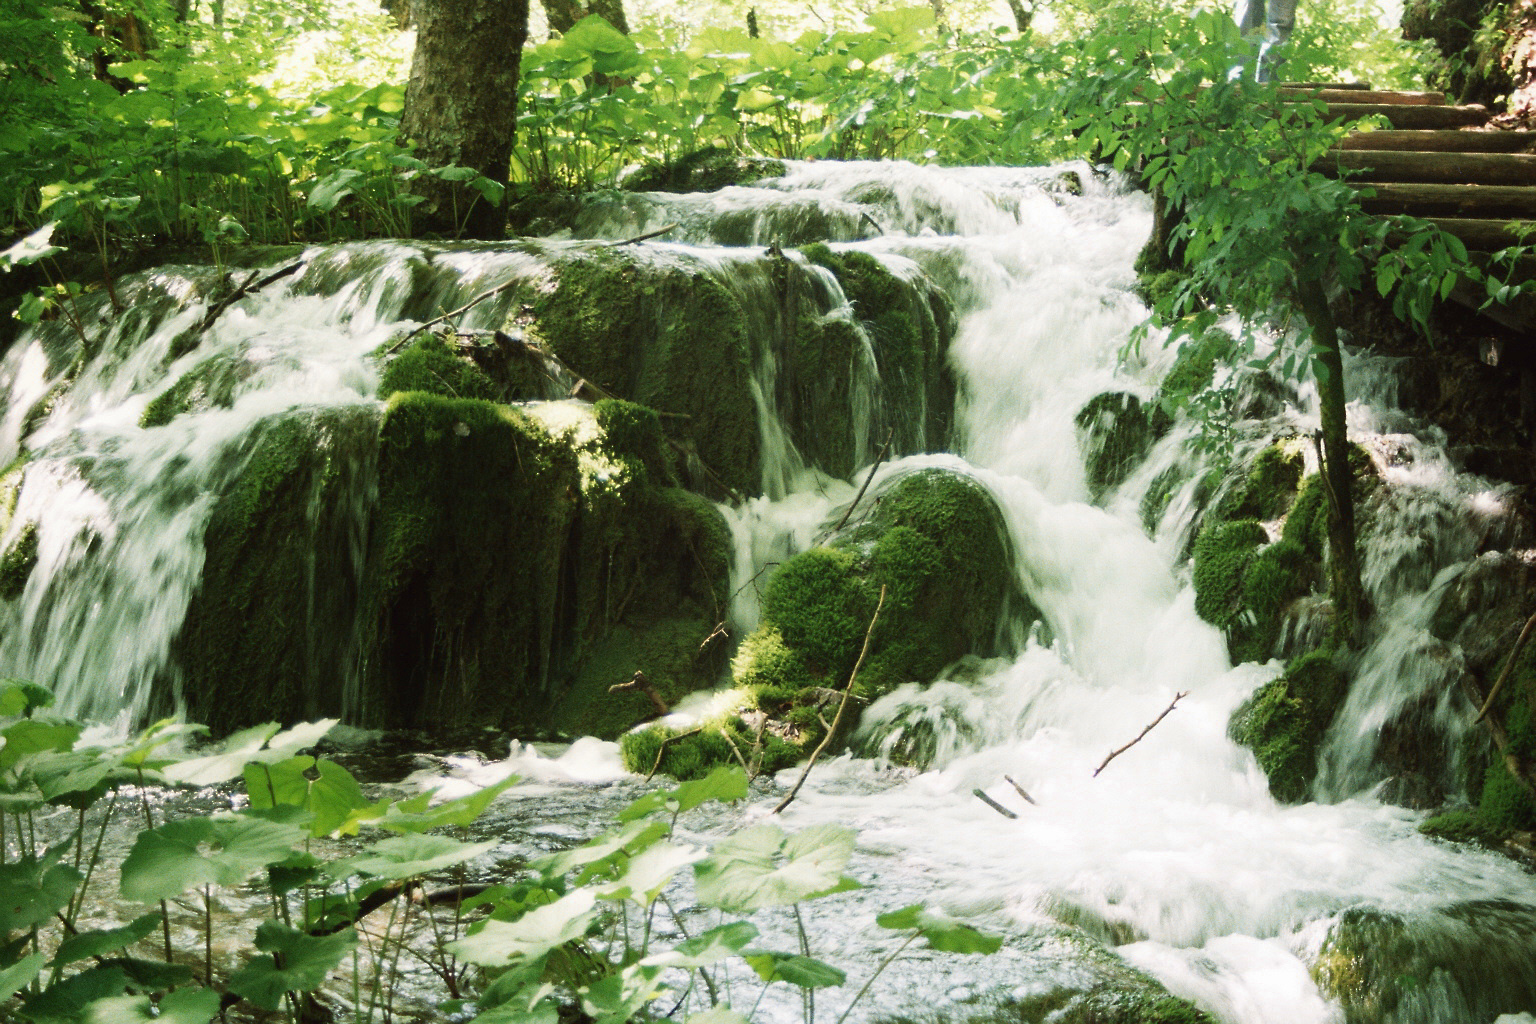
{"x": 430, "y": 365}
{"x": 1465, "y": 827}
{"x": 1284, "y": 722}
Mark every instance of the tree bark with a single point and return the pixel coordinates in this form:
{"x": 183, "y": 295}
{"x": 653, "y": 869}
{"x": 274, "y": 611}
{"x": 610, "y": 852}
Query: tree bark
{"x": 1023, "y": 16}
{"x": 1344, "y": 585}
{"x": 461, "y": 108}
{"x": 564, "y": 14}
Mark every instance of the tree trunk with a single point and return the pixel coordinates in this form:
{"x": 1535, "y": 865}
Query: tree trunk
{"x": 400, "y": 10}
{"x": 562, "y": 14}
{"x": 461, "y": 107}
{"x": 940, "y": 16}
{"x": 1344, "y": 585}
{"x": 1022, "y": 16}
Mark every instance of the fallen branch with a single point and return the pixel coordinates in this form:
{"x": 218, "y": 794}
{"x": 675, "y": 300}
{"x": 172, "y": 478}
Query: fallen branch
{"x": 1019, "y": 790}
{"x": 645, "y": 237}
{"x": 1116, "y": 753}
{"x": 864, "y": 216}
{"x": 999, "y": 808}
{"x": 842, "y": 707}
{"x": 1509, "y": 666}
{"x": 720, "y": 630}
{"x": 663, "y": 749}
{"x": 639, "y": 682}
{"x": 867, "y": 480}
{"x": 251, "y": 284}
{"x": 471, "y": 304}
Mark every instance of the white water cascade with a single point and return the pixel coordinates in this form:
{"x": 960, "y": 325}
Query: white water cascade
{"x": 1175, "y": 854}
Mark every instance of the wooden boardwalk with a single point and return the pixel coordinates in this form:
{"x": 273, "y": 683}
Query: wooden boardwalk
{"x": 1439, "y": 162}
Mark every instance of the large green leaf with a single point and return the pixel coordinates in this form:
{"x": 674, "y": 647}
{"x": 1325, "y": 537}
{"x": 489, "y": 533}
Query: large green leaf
{"x": 66, "y": 1000}
{"x": 498, "y": 943}
{"x": 20, "y": 974}
{"x": 84, "y": 945}
{"x": 35, "y": 735}
{"x": 761, "y": 867}
{"x": 33, "y": 889}
{"x": 17, "y": 696}
{"x": 632, "y": 839}
{"x": 260, "y": 743}
{"x": 708, "y": 948}
{"x": 33, "y": 247}
{"x": 184, "y": 1006}
{"x": 941, "y": 931}
{"x": 409, "y": 856}
{"x": 223, "y": 850}
{"x": 305, "y": 960}
{"x": 725, "y": 784}
{"x": 795, "y": 969}
{"x": 642, "y": 878}
{"x": 419, "y": 814}
{"x": 617, "y": 998}
{"x": 545, "y": 1012}
{"x": 322, "y": 787}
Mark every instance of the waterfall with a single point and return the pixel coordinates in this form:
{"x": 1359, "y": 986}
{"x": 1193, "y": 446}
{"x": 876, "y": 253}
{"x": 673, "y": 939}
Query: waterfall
{"x": 1175, "y": 853}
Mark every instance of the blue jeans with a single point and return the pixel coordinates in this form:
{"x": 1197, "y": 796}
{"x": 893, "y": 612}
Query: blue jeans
{"x": 1273, "y": 21}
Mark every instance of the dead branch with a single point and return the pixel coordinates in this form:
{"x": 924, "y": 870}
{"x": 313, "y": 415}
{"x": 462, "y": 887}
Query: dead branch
{"x": 1116, "y": 753}
{"x": 249, "y": 285}
{"x": 999, "y": 808}
{"x": 1019, "y": 790}
{"x": 639, "y": 682}
{"x": 663, "y": 749}
{"x": 1500, "y": 738}
{"x": 645, "y": 237}
{"x": 841, "y": 708}
{"x": 867, "y": 480}
{"x": 471, "y": 304}
{"x": 864, "y": 216}
{"x": 1509, "y": 666}
{"x": 719, "y": 630}
{"x": 737, "y": 751}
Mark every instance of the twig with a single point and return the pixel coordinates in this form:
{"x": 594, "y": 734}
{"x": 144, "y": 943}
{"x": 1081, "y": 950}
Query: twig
{"x": 251, "y": 285}
{"x": 838, "y": 718}
{"x": 1116, "y": 753}
{"x": 737, "y": 751}
{"x": 1020, "y": 790}
{"x": 639, "y": 682}
{"x": 1509, "y": 666}
{"x": 645, "y": 237}
{"x": 999, "y": 808}
{"x": 720, "y": 630}
{"x": 663, "y": 749}
{"x": 864, "y": 215}
{"x": 867, "y": 480}
{"x": 488, "y": 293}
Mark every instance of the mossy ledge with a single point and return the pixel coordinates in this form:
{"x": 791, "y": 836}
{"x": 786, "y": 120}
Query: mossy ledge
{"x": 1284, "y": 722}
{"x": 935, "y": 541}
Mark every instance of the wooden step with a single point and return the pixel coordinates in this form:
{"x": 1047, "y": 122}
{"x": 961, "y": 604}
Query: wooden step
{"x": 1384, "y": 97}
{"x": 1410, "y": 117}
{"x": 1443, "y": 141}
{"x": 1484, "y": 235}
{"x": 1450, "y": 200}
{"x": 1438, "y": 168}
{"x": 1351, "y": 86}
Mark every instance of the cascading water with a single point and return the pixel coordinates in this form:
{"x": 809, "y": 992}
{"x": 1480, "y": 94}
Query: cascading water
{"x": 1175, "y": 853}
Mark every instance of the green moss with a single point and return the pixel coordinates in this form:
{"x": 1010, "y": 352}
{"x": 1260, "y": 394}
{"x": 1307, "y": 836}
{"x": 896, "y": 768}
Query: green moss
{"x": 704, "y": 170}
{"x": 1505, "y": 804}
{"x": 269, "y": 632}
{"x": 1278, "y": 575}
{"x": 430, "y": 365}
{"x": 694, "y": 754}
{"x": 208, "y": 385}
{"x": 663, "y": 337}
{"x": 1223, "y": 552}
{"x": 1284, "y": 722}
{"x": 1117, "y": 431}
{"x": 17, "y": 563}
{"x": 1269, "y": 487}
{"x": 633, "y": 432}
{"x": 1307, "y": 523}
{"x": 821, "y": 607}
{"x": 822, "y": 415}
{"x": 1195, "y": 367}
{"x": 1465, "y": 827}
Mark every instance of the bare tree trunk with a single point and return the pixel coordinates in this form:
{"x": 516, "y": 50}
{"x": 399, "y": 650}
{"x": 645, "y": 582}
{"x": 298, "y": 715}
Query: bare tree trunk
{"x": 1022, "y": 16}
{"x": 564, "y": 14}
{"x": 461, "y": 107}
{"x": 400, "y": 10}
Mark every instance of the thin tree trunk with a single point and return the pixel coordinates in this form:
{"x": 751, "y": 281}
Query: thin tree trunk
{"x": 1344, "y": 585}
{"x": 562, "y": 14}
{"x": 1022, "y": 16}
{"x": 461, "y": 108}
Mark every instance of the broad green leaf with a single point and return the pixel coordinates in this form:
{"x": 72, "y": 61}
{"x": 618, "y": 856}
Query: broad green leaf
{"x": 19, "y": 697}
{"x": 20, "y": 974}
{"x": 634, "y": 838}
{"x": 35, "y": 735}
{"x": 420, "y": 815}
{"x": 84, "y": 945}
{"x": 66, "y": 1000}
{"x": 167, "y": 730}
{"x": 726, "y": 784}
{"x": 409, "y": 856}
{"x": 332, "y": 189}
{"x": 720, "y": 1014}
{"x": 33, "y": 247}
{"x": 761, "y": 866}
{"x": 941, "y": 931}
{"x": 223, "y": 850}
{"x": 322, "y": 787}
{"x": 149, "y": 975}
{"x": 498, "y": 943}
{"x": 802, "y": 971}
{"x": 702, "y": 950}
{"x": 644, "y": 876}
{"x": 305, "y": 959}
{"x": 545, "y": 1013}
{"x": 33, "y": 889}
{"x": 619, "y": 997}
{"x": 260, "y": 743}
{"x": 183, "y": 1006}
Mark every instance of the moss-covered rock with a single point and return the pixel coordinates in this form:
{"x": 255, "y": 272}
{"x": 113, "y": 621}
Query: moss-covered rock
{"x": 704, "y": 170}
{"x": 1464, "y": 826}
{"x": 208, "y": 385}
{"x": 936, "y": 542}
{"x": 1284, "y": 722}
{"x": 694, "y": 753}
{"x": 430, "y": 365}
{"x": 1223, "y": 552}
{"x": 269, "y": 632}
{"x": 1116, "y": 430}
{"x": 1195, "y": 366}
{"x": 17, "y": 563}
{"x": 662, "y": 336}
{"x": 1469, "y": 961}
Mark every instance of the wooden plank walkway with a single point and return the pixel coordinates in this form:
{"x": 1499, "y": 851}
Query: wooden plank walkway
{"x": 1439, "y": 162}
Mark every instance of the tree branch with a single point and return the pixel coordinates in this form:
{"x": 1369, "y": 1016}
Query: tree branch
{"x": 1116, "y": 753}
